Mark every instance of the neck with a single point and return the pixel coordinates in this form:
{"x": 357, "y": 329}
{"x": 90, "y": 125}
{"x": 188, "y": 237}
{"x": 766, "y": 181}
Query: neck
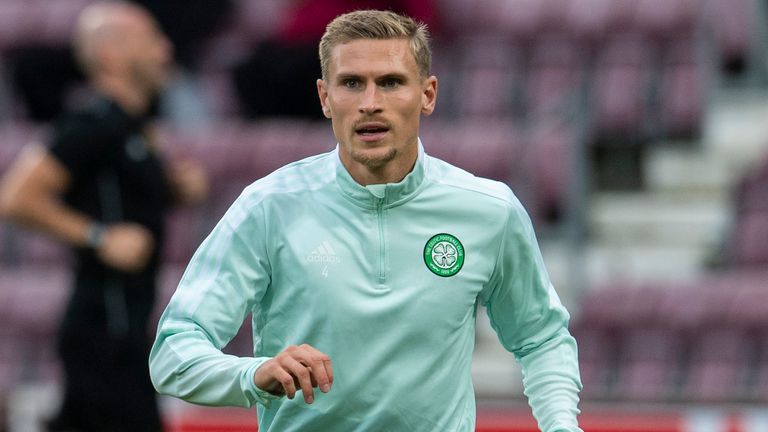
{"x": 130, "y": 98}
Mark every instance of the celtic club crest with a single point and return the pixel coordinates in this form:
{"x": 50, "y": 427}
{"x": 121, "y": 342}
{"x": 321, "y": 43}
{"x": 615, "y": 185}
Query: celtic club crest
{"x": 444, "y": 255}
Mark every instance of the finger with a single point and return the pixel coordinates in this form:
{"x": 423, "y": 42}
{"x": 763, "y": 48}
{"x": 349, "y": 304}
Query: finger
{"x": 329, "y": 371}
{"x": 322, "y": 369}
{"x": 286, "y": 381}
{"x": 301, "y": 372}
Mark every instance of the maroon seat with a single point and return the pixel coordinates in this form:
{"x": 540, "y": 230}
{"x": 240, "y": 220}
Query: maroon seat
{"x": 8, "y": 379}
{"x": 749, "y": 309}
{"x": 719, "y": 365}
{"x": 487, "y": 73}
{"x": 597, "y": 361}
{"x": 665, "y": 19}
{"x": 649, "y": 359}
{"x": 732, "y": 23}
{"x": 758, "y": 388}
{"x": 276, "y": 143}
{"x": 616, "y": 365}
{"x": 682, "y": 100}
{"x": 622, "y": 15}
{"x": 589, "y": 19}
{"x": 57, "y": 22}
{"x": 185, "y": 229}
{"x": 554, "y": 17}
{"x": 519, "y": 20}
{"x": 167, "y": 282}
{"x": 620, "y": 87}
{"x": 39, "y": 295}
{"x": 26, "y": 247}
{"x": 619, "y": 305}
{"x": 17, "y": 21}
{"x": 485, "y": 148}
{"x": 33, "y": 299}
{"x": 752, "y": 191}
{"x": 748, "y": 244}
{"x": 551, "y": 146}
{"x": 554, "y": 78}
{"x": 688, "y": 306}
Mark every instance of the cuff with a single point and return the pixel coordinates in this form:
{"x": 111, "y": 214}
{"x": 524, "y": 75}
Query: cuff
{"x": 252, "y": 392}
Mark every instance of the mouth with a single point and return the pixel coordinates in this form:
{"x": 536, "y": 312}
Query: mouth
{"x": 371, "y": 131}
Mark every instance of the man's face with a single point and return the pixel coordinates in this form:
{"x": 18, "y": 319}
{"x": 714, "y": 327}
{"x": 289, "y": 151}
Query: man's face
{"x": 375, "y": 96}
{"x": 148, "y": 53}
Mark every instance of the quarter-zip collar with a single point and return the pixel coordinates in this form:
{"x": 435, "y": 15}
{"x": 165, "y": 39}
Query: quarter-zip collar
{"x": 386, "y": 196}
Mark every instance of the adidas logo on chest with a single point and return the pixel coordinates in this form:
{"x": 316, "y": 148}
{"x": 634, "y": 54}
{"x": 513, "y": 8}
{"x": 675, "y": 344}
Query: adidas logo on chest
{"x": 324, "y": 254}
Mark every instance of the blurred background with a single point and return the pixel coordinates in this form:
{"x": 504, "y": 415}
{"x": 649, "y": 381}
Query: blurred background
{"x": 634, "y": 131}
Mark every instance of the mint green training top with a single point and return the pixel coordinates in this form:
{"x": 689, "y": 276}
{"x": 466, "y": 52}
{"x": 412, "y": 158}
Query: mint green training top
{"x": 386, "y": 280}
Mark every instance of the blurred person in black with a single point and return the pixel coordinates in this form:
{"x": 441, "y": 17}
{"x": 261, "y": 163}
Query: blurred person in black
{"x": 101, "y": 186}
{"x": 277, "y": 79}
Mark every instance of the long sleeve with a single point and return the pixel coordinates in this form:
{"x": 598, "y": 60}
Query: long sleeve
{"x": 531, "y": 322}
{"x": 224, "y": 281}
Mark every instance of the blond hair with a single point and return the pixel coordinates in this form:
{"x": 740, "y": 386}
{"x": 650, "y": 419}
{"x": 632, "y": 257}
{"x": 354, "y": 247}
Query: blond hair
{"x": 376, "y": 24}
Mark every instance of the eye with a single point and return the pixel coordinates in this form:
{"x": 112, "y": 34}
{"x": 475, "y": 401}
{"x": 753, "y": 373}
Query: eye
{"x": 390, "y": 83}
{"x": 351, "y": 83}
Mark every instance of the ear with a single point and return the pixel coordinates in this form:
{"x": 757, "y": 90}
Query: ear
{"x": 322, "y": 93}
{"x": 429, "y": 95}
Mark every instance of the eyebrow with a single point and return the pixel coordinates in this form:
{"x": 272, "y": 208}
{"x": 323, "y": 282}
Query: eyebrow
{"x": 392, "y": 75}
{"x": 345, "y": 76}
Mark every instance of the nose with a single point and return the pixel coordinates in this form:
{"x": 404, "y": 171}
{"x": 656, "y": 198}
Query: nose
{"x": 370, "y": 100}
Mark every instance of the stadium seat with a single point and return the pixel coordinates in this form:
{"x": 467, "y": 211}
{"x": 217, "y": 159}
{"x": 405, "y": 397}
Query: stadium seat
{"x": 749, "y": 246}
{"x": 185, "y": 229}
{"x": 25, "y": 23}
{"x": 758, "y": 388}
{"x": 489, "y": 71}
{"x": 58, "y": 19}
{"x": 554, "y": 79}
{"x": 29, "y": 315}
{"x": 551, "y": 145}
{"x": 553, "y": 17}
{"x": 621, "y": 82}
{"x": 31, "y": 301}
{"x": 665, "y": 19}
{"x": 8, "y": 379}
{"x": 23, "y": 246}
{"x": 597, "y": 361}
{"x": 519, "y": 20}
{"x": 748, "y": 309}
{"x": 731, "y": 23}
{"x": 279, "y": 142}
{"x": 167, "y": 282}
{"x": 685, "y": 307}
{"x": 751, "y": 193}
{"x": 718, "y": 366}
{"x": 682, "y": 100}
{"x": 621, "y": 16}
{"x": 588, "y": 20}
{"x": 16, "y": 22}
{"x": 649, "y": 357}
{"x": 486, "y": 148}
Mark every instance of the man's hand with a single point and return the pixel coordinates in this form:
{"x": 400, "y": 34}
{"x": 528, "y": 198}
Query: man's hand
{"x": 126, "y": 246}
{"x": 296, "y": 367}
